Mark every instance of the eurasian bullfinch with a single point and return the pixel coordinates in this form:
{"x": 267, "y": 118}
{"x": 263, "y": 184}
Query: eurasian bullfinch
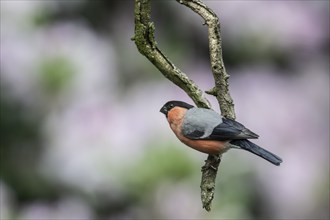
{"x": 208, "y": 132}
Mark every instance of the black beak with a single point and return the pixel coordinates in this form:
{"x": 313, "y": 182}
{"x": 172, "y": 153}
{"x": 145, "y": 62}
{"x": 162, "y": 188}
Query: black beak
{"x": 163, "y": 110}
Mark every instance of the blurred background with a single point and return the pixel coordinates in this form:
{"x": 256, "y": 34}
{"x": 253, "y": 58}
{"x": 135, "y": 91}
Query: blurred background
{"x": 81, "y": 132}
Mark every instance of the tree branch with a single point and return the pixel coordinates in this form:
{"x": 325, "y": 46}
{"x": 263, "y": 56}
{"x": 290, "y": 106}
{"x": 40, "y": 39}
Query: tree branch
{"x": 146, "y": 44}
{"x": 220, "y": 91}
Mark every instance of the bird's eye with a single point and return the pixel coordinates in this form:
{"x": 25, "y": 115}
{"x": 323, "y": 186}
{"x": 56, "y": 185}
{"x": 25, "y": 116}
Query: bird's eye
{"x": 171, "y": 106}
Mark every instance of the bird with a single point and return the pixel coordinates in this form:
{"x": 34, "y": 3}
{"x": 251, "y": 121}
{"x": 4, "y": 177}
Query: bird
{"x": 207, "y": 131}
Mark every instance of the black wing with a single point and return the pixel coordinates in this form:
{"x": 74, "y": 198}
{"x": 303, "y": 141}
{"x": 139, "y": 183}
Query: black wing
{"x": 231, "y": 130}
{"x": 196, "y": 134}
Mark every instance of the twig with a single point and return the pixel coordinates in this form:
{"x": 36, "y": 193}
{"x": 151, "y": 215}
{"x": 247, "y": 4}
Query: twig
{"x": 146, "y": 44}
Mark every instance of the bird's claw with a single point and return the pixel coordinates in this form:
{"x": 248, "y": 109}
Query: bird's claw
{"x": 209, "y": 166}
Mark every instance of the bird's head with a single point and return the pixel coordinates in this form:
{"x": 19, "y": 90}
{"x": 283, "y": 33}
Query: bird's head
{"x": 171, "y": 104}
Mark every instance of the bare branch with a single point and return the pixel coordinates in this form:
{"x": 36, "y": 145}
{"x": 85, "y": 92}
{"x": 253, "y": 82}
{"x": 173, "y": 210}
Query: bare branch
{"x": 145, "y": 41}
{"x": 217, "y": 65}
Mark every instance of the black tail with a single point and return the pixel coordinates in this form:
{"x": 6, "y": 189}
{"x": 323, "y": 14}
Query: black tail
{"x": 253, "y": 148}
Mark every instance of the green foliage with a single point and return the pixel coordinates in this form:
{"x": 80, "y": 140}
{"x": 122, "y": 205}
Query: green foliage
{"x": 159, "y": 164}
{"x": 55, "y": 73}
{"x": 16, "y": 125}
{"x": 20, "y": 149}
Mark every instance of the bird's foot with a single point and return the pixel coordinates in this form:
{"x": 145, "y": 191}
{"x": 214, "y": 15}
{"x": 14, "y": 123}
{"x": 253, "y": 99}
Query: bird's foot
{"x": 212, "y": 163}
